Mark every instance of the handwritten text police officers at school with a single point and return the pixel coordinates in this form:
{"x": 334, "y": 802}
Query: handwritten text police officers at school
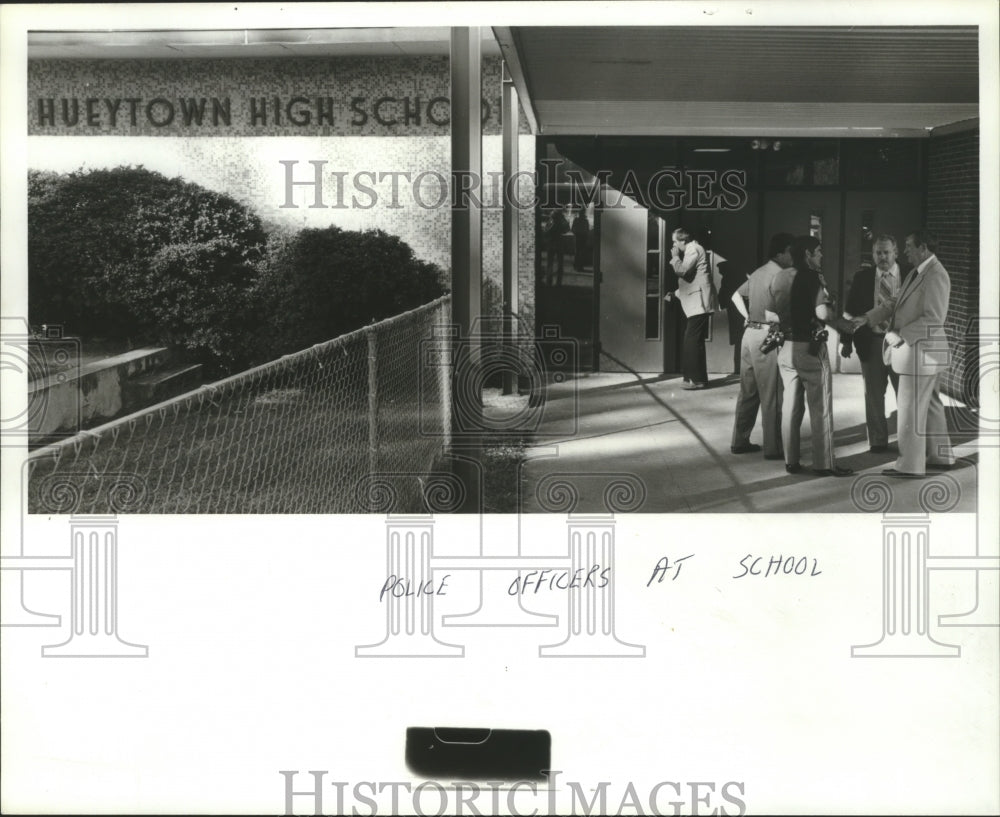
{"x": 598, "y": 577}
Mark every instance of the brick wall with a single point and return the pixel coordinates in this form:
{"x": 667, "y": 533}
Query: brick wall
{"x": 953, "y": 214}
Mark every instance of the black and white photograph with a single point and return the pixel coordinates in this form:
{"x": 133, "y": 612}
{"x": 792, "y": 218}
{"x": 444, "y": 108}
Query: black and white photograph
{"x": 378, "y": 377}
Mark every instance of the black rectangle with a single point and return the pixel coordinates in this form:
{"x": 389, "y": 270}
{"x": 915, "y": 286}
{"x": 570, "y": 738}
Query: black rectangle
{"x": 478, "y": 754}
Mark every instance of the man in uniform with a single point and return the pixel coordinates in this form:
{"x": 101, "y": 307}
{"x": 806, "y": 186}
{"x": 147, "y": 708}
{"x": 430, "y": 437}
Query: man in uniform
{"x": 760, "y": 382}
{"x": 799, "y": 300}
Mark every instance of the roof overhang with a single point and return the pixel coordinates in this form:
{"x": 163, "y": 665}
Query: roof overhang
{"x": 237, "y": 43}
{"x": 790, "y": 81}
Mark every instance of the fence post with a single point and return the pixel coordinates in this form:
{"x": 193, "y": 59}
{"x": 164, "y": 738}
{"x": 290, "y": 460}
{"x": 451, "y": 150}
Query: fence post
{"x": 373, "y": 441}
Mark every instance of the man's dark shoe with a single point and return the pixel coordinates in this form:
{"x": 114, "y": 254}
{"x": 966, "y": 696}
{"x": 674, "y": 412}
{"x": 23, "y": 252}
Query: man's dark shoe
{"x": 892, "y": 472}
{"x": 836, "y": 471}
{"x": 749, "y": 448}
{"x": 942, "y": 467}
{"x": 794, "y": 468}
{"x": 878, "y": 449}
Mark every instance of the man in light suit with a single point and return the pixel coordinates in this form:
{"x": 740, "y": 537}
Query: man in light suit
{"x": 917, "y": 349}
{"x": 696, "y": 295}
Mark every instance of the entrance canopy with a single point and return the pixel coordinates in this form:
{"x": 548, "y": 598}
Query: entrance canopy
{"x": 755, "y": 81}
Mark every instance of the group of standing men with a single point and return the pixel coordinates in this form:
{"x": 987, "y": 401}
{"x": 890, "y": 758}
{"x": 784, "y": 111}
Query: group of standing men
{"x": 895, "y": 326}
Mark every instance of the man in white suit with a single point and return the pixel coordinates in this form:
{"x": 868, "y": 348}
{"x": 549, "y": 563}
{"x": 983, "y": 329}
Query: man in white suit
{"x": 696, "y": 294}
{"x": 917, "y": 349}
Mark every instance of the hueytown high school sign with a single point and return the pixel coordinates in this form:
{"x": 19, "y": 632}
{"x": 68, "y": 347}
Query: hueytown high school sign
{"x": 250, "y": 97}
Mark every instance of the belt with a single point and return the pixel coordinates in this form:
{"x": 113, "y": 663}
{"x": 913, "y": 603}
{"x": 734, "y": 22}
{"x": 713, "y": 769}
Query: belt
{"x": 758, "y": 325}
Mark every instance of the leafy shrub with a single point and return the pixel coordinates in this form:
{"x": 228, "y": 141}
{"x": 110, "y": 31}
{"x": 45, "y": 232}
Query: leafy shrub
{"x": 95, "y": 236}
{"x": 199, "y": 295}
{"x": 129, "y": 254}
{"x": 322, "y": 283}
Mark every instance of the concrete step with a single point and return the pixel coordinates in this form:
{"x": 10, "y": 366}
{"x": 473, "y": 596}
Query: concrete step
{"x": 75, "y": 391}
{"x": 155, "y": 387}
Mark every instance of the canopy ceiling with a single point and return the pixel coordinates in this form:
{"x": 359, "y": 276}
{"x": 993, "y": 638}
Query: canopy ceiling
{"x": 714, "y": 80}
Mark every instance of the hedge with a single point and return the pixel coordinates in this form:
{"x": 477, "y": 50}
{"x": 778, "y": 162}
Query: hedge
{"x": 129, "y": 254}
{"x": 325, "y": 282}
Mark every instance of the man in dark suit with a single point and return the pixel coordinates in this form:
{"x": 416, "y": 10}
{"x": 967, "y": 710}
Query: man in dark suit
{"x": 916, "y": 347}
{"x": 871, "y": 288}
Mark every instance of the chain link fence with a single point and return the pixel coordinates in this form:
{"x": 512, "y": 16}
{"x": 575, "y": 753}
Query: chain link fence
{"x": 296, "y": 435}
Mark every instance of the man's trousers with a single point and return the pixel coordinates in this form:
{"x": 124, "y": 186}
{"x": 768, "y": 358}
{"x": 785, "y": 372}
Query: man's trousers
{"x": 923, "y": 430}
{"x": 806, "y": 375}
{"x": 760, "y": 388}
{"x": 877, "y": 377}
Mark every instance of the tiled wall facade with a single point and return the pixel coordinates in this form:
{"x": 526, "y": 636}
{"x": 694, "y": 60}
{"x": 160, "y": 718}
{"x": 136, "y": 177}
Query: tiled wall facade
{"x": 335, "y": 96}
{"x": 270, "y": 165}
{"x": 953, "y": 214}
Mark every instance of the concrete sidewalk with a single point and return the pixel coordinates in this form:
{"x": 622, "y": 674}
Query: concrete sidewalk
{"x": 676, "y": 443}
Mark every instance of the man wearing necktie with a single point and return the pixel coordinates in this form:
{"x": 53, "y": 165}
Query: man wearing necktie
{"x": 871, "y": 289}
{"x": 917, "y": 349}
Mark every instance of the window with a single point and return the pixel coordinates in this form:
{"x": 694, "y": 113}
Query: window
{"x": 654, "y": 255}
{"x": 801, "y": 162}
{"x": 883, "y": 163}
{"x": 816, "y": 226}
{"x": 867, "y": 236}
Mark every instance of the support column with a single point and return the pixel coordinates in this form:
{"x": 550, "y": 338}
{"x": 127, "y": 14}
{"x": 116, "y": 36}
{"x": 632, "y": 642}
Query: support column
{"x": 94, "y": 594}
{"x": 409, "y": 628}
{"x": 511, "y": 223}
{"x": 466, "y": 253}
{"x": 591, "y": 607}
{"x": 905, "y": 605}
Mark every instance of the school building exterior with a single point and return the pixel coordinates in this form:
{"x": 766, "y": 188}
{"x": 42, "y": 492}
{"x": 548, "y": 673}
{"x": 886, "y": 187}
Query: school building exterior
{"x": 628, "y": 131}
